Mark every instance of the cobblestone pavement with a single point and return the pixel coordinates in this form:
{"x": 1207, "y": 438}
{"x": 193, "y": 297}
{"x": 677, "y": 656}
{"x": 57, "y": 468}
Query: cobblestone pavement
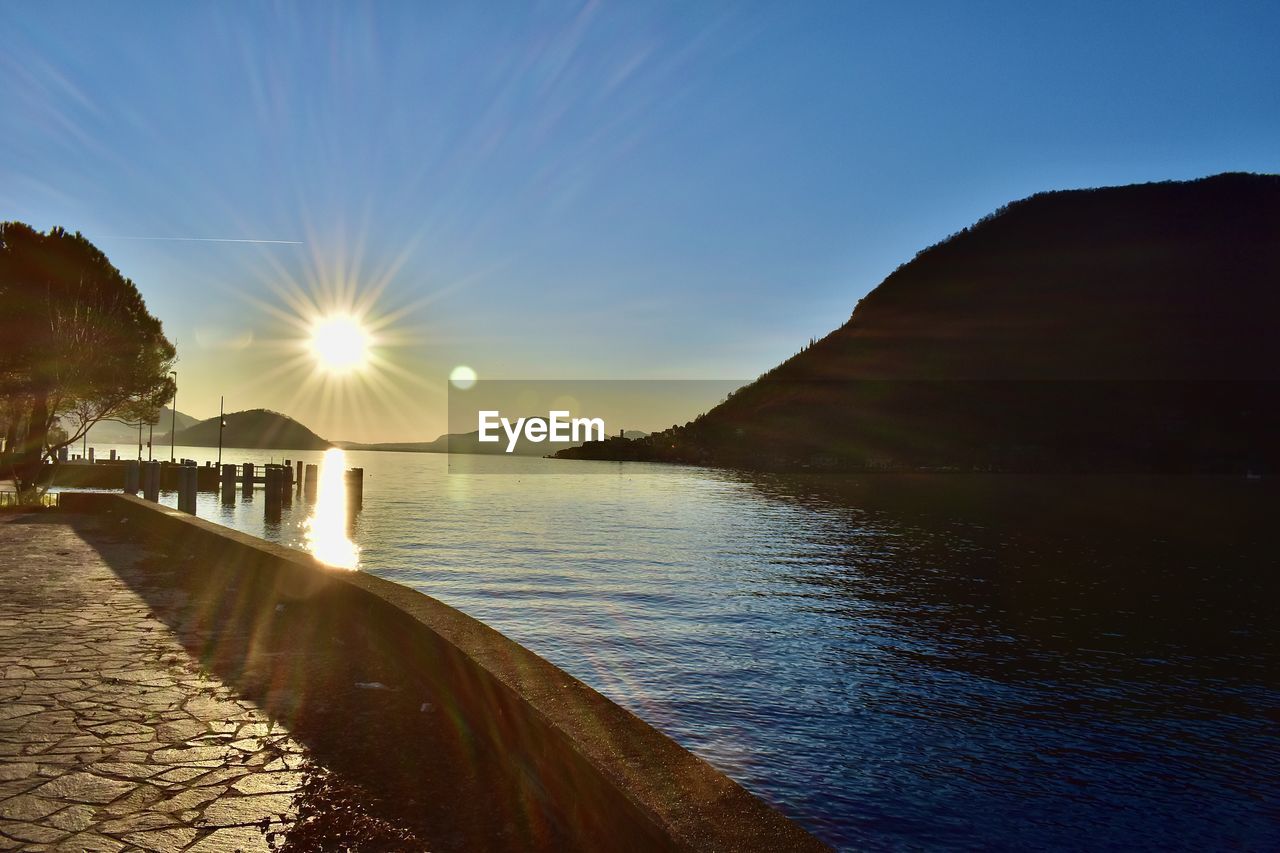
{"x": 111, "y": 736}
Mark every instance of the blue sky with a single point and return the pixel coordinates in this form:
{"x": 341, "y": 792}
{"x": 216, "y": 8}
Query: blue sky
{"x": 632, "y": 190}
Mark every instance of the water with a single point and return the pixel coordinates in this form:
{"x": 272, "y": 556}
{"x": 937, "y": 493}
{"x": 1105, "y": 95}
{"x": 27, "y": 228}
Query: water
{"x": 896, "y": 662}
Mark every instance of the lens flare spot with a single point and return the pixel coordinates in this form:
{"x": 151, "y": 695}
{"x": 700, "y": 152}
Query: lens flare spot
{"x": 462, "y": 377}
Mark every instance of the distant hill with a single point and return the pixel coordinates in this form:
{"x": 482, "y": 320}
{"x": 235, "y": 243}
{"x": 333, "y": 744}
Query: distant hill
{"x": 1125, "y": 328}
{"x": 469, "y": 442}
{"x": 255, "y": 428}
{"x": 111, "y": 432}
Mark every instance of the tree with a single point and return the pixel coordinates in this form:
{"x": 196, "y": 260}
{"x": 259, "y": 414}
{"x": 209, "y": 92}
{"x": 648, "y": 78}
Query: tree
{"x": 77, "y": 345}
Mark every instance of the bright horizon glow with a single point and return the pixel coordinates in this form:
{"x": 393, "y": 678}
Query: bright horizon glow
{"x": 326, "y": 529}
{"x": 340, "y": 344}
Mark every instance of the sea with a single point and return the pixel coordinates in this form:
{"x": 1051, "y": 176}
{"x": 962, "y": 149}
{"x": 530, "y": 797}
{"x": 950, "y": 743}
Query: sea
{"x": 896, "y": 661}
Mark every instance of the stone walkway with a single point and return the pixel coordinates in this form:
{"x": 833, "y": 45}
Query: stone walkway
{"x": 111, "y": 736}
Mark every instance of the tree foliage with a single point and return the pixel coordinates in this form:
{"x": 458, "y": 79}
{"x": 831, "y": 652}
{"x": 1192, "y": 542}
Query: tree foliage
{"x": 77, "y": 345}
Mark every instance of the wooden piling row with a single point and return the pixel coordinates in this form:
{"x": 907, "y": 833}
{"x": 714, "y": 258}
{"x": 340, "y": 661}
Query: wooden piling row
{"x": 279, "y": 482}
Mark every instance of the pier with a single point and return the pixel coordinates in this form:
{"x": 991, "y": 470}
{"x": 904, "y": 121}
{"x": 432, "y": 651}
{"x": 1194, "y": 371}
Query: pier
{"x": 278, "y": 483}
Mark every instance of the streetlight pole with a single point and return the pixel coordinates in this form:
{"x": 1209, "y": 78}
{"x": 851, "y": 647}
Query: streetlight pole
{"x": 173, "y": 421}
{"x": 221, "y": 423}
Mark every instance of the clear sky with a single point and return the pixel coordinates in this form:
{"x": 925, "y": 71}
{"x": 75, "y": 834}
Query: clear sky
{"x": 579, "y": 190}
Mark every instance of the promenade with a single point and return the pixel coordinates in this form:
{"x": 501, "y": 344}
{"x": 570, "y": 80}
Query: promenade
{"x": 111, "y": 735}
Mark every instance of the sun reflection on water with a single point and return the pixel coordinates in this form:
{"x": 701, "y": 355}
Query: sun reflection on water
{"x": 326, "y": 528}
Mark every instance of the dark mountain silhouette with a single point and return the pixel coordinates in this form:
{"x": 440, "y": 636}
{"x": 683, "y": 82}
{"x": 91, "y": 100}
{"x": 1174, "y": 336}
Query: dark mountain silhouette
{"x": 255, "y": 428}
{"x": 1125, "y": 328}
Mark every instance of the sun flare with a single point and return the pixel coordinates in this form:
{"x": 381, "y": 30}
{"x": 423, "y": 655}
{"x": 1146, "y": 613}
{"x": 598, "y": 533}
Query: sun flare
{"x": 340, "y": 344}
{"x": 335, "y": 346}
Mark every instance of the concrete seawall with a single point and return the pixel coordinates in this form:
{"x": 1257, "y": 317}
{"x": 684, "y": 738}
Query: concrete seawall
{"x": 604, "y": 778}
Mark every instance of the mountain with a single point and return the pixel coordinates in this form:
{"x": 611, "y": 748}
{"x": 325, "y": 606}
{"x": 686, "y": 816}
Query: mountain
{"x": 255, "y": 428}
{"x": 1123, "y": 328}
{"x": 111, "y": 432}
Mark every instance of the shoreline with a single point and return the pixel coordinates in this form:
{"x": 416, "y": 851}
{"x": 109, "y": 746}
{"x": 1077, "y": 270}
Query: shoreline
{"x": 595, "y": 772}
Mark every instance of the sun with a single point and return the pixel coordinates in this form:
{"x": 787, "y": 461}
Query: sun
{"x": 340, "y": 343}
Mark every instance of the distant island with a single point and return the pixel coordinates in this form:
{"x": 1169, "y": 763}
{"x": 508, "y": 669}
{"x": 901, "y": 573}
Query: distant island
{"x": 260, "y": 429}
{"x": 1118, "y": 329}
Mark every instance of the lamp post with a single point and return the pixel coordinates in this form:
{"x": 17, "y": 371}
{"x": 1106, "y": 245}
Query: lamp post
{"x": 222, "y": 422}
{"x": 173, "y": 421}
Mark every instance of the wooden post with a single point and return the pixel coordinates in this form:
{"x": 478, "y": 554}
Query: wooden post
{"x": 187, "y": 475}
{"x": 299, "y": 483}
{"x": 309, "y": 485}
{"x": 90, "y": 454}
{"x": 246, "y": 479}
{"x": 132, "y": 470}
{"x": 228, "y": 484}
{"x": 113, "y": 454}
{"x": 271, "y": 504}
{"x": 151, "y": 482}
{"x": 354, "y": 481}
{"x": 286, "y": 484}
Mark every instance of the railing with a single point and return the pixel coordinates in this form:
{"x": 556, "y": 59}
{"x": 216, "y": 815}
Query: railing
{"x": 10, "y": 499}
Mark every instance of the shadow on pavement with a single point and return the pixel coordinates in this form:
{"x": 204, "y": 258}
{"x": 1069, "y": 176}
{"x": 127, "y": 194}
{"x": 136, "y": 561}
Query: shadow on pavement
{"x": 395, "y": 766}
